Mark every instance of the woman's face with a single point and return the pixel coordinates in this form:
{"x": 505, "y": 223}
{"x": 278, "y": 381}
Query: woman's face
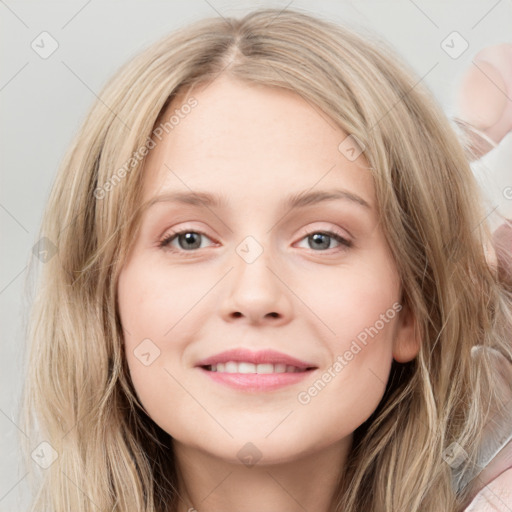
{"x": 281, "y": 250}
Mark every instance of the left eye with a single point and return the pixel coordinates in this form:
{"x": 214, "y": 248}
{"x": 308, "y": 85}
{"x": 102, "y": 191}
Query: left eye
{"x": 322, "y": 240}
{"x": 190, "y": 240}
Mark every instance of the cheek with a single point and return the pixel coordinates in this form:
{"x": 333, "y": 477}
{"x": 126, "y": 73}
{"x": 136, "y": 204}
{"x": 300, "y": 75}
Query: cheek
{"x": 153, "y": 300}
{"x": 361, "y": 310}
{"x": 155, "y": 309}
{"x": 344, "y": 394}
{"x": 360, "y": 301}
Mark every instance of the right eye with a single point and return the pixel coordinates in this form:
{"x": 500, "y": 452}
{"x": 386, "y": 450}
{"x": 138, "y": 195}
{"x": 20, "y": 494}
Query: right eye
{"x": 188, "y": 240}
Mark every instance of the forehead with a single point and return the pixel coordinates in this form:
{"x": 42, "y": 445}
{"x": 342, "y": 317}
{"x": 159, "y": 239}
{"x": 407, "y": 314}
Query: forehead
{"x": 251, "y": 139}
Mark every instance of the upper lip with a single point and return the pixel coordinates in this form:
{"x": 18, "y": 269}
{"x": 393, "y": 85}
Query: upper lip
{"x": 260, "y": 357}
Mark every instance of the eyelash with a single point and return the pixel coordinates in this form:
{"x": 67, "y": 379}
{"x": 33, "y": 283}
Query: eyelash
{"x": 164, "y": 243}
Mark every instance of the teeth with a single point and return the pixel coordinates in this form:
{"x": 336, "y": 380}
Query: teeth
{"x": 230, "y": 367}
{"x": 243, "y": 367}
{"x": 264, "y": 368}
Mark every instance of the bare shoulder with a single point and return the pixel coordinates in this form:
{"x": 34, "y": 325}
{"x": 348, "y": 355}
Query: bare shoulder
{"x": 496, "y": 496}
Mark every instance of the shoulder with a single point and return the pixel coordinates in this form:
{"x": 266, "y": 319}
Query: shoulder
{"x": 493, "y": 486}
{"x": 495, "y": 496}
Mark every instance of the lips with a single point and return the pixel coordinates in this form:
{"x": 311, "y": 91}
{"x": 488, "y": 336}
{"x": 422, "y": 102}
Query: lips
{"x": 255, "y": 372}
{"x": 241, "y": 360}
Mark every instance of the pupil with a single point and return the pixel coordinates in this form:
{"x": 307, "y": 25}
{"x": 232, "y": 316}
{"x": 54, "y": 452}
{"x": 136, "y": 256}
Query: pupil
{"x": 189, "y": 239}
{"x": 317, "y": 237}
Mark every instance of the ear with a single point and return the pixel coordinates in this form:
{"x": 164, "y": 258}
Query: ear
{"x": 407, "y": 338}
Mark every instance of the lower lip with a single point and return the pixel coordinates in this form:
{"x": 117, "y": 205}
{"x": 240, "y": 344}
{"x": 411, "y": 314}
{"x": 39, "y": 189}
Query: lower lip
{"x": 257, "y": 381}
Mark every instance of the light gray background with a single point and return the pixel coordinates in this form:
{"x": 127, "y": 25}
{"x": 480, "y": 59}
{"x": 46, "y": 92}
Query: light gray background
{"x": 43, "y": 102}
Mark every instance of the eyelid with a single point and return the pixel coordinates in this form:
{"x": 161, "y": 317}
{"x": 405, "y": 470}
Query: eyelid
{"x": 331, "y": 228}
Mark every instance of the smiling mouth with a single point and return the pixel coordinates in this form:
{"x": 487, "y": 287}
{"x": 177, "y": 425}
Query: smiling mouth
{"x": 263, "y": 368}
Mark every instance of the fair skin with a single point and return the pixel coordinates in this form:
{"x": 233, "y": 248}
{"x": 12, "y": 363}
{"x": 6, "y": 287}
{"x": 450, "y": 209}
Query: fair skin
{"x": 255, "y": 146}
{"x": 495, "y": 485}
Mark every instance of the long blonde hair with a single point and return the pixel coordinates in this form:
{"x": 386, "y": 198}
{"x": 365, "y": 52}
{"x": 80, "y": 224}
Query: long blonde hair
{"x": 78, "y": 395}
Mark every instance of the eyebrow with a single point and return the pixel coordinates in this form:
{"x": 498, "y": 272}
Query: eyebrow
{"x": 294, "y": 201}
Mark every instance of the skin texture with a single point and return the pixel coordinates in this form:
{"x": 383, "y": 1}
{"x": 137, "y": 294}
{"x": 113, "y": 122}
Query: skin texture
{"x": 496, "y": 495}
{"x": 485, "y": 95}
{"x": 255, "y": 145}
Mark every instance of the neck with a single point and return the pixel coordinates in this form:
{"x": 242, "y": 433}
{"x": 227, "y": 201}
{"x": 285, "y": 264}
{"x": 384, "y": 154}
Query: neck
{"x": 210, "y": 484}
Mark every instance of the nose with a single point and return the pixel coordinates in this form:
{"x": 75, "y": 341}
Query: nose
{"x": 257, "y": 293}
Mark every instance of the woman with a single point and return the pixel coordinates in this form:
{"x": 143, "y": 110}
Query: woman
{"x": 312, "y": 348}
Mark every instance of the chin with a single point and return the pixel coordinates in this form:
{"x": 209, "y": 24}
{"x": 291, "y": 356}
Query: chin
{"x": 251, "y": 447}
